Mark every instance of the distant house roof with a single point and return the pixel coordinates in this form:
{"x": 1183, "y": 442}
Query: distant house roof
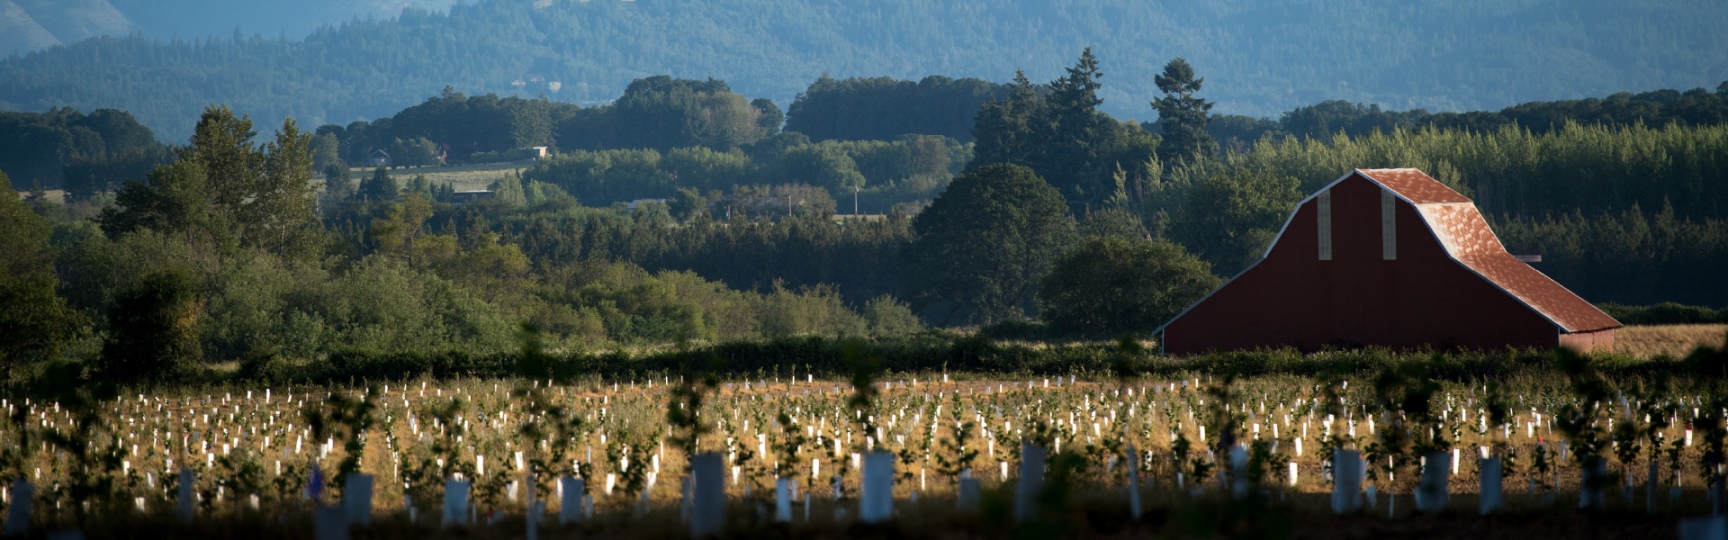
{"x": 1460, "y": 227}
{"x": 470, "y": 195}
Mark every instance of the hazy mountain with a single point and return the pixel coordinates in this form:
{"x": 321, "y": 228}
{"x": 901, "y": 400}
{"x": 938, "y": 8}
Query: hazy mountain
{"x": 1258, "y": 57}
{"x": 20, "y": 32}
{"x": 29, "y": 25}
{"x": 189, "y": 19}
{"x": 34, "y": 24}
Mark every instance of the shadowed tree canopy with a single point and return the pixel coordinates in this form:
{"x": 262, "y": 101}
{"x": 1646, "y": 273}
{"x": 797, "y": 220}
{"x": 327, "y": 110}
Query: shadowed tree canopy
{"x": 1058, "y": 131}
{"x": 984, "y": 244}
{"x": 1111, "y": 285}
{"x": 883, "y": 108}
{"x": 1230, "y": 218}
{"x": 153, "y": 328}
{"x": 33, "y": 319}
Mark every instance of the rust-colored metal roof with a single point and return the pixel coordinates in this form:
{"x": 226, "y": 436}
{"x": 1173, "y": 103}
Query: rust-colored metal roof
{"x": 1460, "y": 227}
{"x": 1414, "y": 186}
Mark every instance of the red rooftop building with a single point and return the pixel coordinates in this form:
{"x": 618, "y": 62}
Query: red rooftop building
{"x": 1392, "y": 258}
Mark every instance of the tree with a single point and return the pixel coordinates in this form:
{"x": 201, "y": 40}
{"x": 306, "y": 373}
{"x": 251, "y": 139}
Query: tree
{"x": 338, "y": 182}
{"x": 1110, "y": 286}
{"x": 379, "y": 188}
{"x": 687, "y": 204}
{"x": 223, "y": 186}
{"x": 1230, "y": 218}
{"x": 1058, "y": 131}
{"x": 279, "y": 214}
{"x": 890, "y": 317}
{"x": 724, "y": 120}
{"x": 222, "y": 148}
{"x": 1112, "y": 223}
{"x": 823, "y": 164}
{"x": 174, "y": 199}
{"x": 34, "y": 321}
{"x": 396, "y": 233}
{"x": 152, "y": 329}
{"x": 507, "y": 192}
{"x": 1181, "y": 115}
{"x": 415, "y": 152}
{"x": 984, "y": 244}
{"x": 1080, "y": 137}
{"x": 883, "y": 108}
{"x": 1007, "y": 131}
{"x": 768, "y": 116}
{"x": 327, "y": 151}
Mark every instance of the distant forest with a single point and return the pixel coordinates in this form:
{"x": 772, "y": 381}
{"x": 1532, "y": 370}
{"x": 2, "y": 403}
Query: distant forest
{"x": 685, "y": 211}
{"x": 1260, "y": 58}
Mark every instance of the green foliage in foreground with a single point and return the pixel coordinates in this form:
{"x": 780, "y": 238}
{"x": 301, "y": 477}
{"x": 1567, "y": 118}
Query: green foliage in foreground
{"x": 953, "y": 353}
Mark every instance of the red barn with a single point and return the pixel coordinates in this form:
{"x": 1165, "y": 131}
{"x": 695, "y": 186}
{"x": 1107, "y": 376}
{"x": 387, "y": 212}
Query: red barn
{"x": 1393, "y": 258}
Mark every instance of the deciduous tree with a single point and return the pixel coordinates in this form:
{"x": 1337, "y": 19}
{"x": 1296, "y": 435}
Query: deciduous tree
{"x": 1110, "y": 286}
{"x": 984, "y": 245}
{"x": 34, "y": 321}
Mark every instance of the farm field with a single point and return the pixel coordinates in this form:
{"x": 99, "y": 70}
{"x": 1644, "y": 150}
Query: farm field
{"x": 459, "y": 177}
{"x": 1674, "y": 340}
{"x": 251, "y": 454}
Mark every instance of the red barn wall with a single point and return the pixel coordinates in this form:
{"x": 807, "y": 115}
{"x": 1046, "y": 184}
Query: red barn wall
{"x": 1420, "y": 299}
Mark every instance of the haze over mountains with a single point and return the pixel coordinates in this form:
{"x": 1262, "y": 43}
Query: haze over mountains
{"x": 30, "y": 25}
{"x": 273, "y": 60}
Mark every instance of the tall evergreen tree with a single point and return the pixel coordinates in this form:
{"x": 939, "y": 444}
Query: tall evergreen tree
{"x": 1007, "y": 131}
{"x": 1081, "y": 137}
{"x": 1182, "y": 115}
{"x": 1057, "y": 131}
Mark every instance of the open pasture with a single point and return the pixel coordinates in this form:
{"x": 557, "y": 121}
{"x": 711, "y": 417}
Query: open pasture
{"x": 458, "y": 177}
{"x": 1673, "y": 340}
{"x": 1226, "y": 453}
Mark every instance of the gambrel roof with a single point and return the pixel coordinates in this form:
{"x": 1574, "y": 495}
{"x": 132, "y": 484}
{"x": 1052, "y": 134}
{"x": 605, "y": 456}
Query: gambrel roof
{"x": 1456, "y": 223}
{"x": 1459, "y": 226}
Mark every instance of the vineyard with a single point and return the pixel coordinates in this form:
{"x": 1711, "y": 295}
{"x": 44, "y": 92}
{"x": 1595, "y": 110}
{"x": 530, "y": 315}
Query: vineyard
{"x": 903, "y": 454}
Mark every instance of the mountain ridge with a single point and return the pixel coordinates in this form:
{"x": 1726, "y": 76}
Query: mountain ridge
{"x": 39, "y": 24}
{"x": 1258, "y": 58}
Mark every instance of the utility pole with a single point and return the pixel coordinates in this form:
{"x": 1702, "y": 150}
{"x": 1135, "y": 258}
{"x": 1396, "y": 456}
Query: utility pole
{"x": 855, "y": 200}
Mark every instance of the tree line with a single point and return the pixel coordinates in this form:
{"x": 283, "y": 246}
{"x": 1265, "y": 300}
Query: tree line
{"x": 1065, "y": 222}
{"x": 1694, "y": 107}
{"x": 66, "y": 148}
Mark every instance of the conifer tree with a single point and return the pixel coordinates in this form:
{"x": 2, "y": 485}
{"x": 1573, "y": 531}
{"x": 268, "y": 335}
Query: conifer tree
{"x": 1182, "y": 115}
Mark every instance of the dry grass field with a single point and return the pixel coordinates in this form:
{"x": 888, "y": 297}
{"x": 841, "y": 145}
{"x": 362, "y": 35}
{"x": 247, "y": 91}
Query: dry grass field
{"x": 461, "y": 178}
{"x": 1676, "y": 340}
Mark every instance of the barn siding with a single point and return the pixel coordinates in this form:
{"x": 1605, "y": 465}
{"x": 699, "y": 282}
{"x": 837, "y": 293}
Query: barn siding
{"x": 1422, "y": 298}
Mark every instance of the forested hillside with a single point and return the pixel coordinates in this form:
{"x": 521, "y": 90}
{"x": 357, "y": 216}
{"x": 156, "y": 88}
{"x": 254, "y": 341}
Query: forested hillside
{"x": 1259, "y": 59}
